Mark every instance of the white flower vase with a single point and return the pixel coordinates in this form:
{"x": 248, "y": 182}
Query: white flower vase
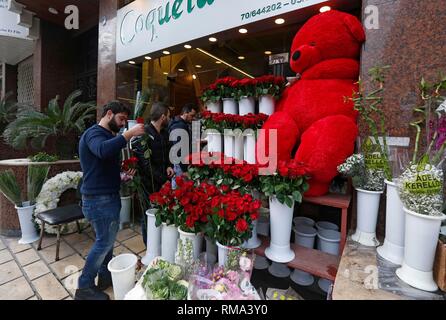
{"x": 196, "y": 240}
{"x": 123, "y": 272}
{"x": 230, "y": 106}
{"x": 169, "y": 239}
{"x": 229, "y": 145}
{"x": 393, "y": 248}
{"x": 239, "y": 147}
{"x": 214, "y": 107}
{"x": 281, "y": 218}
{"x": 253, "y": 242}
{"x": 305, "y": 236}
{"x": 211, "y": 250}
{"x": 223, "y": 252}
{"x": 247, "y": 105}
{"x": 126, "y": 208}
{"x": 153, "y": 238}
{"x": 214, "y": 142}
{"x": 29, "y": 232}
{"x": 421, "y": 239}
{"x": 267, "y": 104}
{"x": 250, "y": 149}
{"x": 367, "y": 217}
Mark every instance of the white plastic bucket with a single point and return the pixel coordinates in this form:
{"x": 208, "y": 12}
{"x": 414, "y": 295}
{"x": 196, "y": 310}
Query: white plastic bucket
{"x": 214, "y": 107}
{"x": 126, "y": 208}
{"x": 196, "y": 239}
{"x": 328, "y": 241}
{"x": 214, "y": 142}
{"x": 123, "y": 268}
{"x": 239, "y": 147}
{"x": 246, "y": 105}
{"x": 267, "y": 104}
{"x": 305, "y": 236}
{"x": 304, "y": 221}
{"x": 223, "y": 252}
{"x": 279, "y": 270}
{"x": 325, "y": 225}
{"x": 229, "y": 143}
{"x": 153, "y": 238}
{"x": 169, "y": 239}
{"x": 250, "y": 149}
{"x": 230, "y": 106}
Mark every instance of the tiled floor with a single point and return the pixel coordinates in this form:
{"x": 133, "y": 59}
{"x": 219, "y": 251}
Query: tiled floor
{"x": 28, "y": 274}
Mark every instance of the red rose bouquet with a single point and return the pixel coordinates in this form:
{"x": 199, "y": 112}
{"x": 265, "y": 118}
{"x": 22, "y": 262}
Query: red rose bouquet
{"x": 226, "y": 87}
{"x": 166, "y": 204}
{"x": 211, "y": 93}
{"x": 244, "y": 88}
{"x": 230, "y": 222}
{"x": 288, "y": 183}
{"x": 270, "y": 85}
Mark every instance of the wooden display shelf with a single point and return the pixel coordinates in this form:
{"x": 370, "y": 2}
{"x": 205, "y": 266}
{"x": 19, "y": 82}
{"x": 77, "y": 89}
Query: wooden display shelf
{"x": 316, "y": 262}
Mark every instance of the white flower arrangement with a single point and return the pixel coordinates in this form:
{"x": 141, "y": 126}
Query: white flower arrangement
{"x": 421, "y": 189}
{"x": 48, "y": 198}
{"x": 366, "y": 178}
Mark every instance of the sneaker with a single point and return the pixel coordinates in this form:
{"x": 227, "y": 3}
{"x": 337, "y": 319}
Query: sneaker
{"x": 104, "y": 283}
{"x": 90, "y": 294}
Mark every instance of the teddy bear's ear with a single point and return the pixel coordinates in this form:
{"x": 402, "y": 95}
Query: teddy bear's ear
{"x": 355, "y": 28}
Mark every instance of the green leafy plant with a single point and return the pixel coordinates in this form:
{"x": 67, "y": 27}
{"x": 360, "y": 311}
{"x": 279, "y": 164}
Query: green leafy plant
{"x": 60, "y": 122}
{"x": 369, "y": 107}
{"x": 8, "y": 110}
{"x": 141, "y": 104}
{"x": 288, "y": 184}
{"x": 43, "y": 157}
{"x": 10, "y": 188}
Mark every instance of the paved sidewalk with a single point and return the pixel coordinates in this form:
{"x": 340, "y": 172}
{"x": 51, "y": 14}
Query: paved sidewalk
{"x": 28, "y": 274}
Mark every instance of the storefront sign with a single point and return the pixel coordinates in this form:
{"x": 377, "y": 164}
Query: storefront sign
{"x": 279, "y": 58}
{"x": 8, "y": 23}
{"x": 146, "y": 26}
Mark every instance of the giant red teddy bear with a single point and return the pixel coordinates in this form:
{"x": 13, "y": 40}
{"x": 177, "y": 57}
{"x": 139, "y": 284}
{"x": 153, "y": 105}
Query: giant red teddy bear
{"x": 313, "y": 112}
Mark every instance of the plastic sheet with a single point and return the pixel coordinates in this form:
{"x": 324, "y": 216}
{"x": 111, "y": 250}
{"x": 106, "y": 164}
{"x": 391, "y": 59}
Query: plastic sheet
{"x": 389, "y": 281}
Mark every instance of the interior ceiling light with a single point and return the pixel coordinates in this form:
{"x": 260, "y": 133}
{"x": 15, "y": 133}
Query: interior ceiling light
{"x": 166, "y": 73}
{"x": 243, "y": 30}
{"x": 212, "y": 39}
{"x": 188, "y": 46}
{"x": 194, "y": 77}
{"x": 280, "y": 21}
{"x": 241, "y": 58}
{"x": 226, "y": 63}
{"x": 325, "y": 9}
{"x": 198, "y": 66}
{"x": 181, "y": 70}
{"x": 132, "y": 62}
{"x": 147, "y": 58}
{"x": 268, "y": 53}
{"x": 218, "y": 62}
{"x": 166, "y": 52}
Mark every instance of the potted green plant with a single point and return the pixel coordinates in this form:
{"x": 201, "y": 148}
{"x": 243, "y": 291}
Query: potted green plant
{"x": 284, "y": 188}
{"x": 9, "y": 186}
{"x": 62, "y": 123}
{"x": 421, "y": 189}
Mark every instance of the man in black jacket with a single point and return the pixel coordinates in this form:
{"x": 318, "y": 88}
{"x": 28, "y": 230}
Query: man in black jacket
{"x": 183, "y": 122}
{"x": 152, "y": 151}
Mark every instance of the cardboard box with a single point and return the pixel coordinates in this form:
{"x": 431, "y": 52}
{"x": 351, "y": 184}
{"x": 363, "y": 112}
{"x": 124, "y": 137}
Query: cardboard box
{"x": 440, "y": 266}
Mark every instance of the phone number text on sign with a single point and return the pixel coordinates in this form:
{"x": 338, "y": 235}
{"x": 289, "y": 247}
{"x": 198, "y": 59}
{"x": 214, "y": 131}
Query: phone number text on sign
{"x": 270, "y": 8}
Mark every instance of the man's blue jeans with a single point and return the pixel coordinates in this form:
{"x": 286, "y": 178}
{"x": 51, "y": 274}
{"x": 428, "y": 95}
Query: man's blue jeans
{"x": 102, "y": 211}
